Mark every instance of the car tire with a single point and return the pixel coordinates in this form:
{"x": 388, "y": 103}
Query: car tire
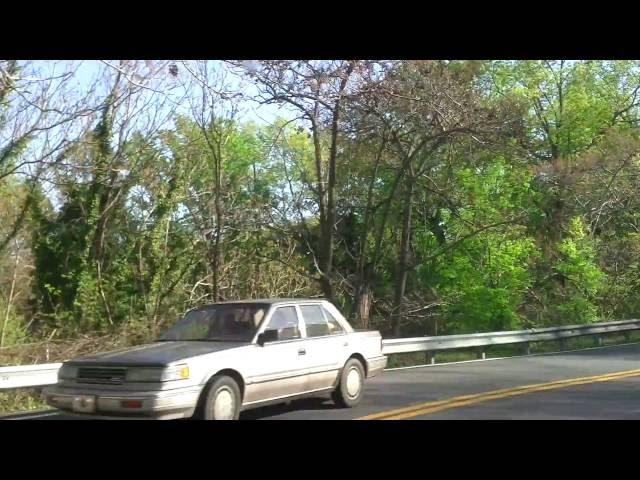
{"x": 351, "y": 385}
{"x": 223, "y": 399}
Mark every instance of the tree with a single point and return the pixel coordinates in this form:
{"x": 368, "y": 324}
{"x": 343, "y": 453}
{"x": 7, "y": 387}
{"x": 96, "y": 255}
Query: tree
{"x": 318, "y": 91}
{"x": 425, "y": 106}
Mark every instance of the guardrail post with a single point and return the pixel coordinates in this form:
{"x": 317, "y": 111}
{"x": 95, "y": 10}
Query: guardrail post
{"x": 430, "y": 358}
{"x": 526, "y": 348}
{"x": 598, "y": 340}
{"x": 563, "y": 344}
{"x": 481, "y": 354}
{"x": 627, "y": 336}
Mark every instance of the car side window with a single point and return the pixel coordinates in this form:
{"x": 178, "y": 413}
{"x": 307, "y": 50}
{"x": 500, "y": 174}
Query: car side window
{"x": 317, "y": 324}
{"x": 334, "y": 325}
{"x": 285, "y": 321}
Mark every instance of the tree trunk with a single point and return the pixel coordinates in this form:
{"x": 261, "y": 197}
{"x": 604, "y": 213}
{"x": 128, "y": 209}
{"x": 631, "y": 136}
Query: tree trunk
{"x": 327, "y": 286}
{"x": 364, "y": 299}
{"x": 217, "y": 249}
{"x": 11, "y": 294}
{"x": 403, "y": 259}
{"x": 328, "y": 204}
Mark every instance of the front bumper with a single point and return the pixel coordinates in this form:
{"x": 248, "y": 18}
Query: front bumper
{"x": 376, "y": 366}
{"x": 166, "y": 404}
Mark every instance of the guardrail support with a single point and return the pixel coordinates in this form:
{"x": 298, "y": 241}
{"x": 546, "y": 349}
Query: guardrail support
{"x": 430, "y": 358}
{"x": 627, "y": 336}
{"x": 481, "y": 354}
{"x": 526, "y": 348}
{"x": 598, "y": 340}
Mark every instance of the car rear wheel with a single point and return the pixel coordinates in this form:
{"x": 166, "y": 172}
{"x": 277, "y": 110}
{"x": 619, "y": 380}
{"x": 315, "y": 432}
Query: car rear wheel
{"x": 223, "y": 399}
{"x": 350, "y": 389}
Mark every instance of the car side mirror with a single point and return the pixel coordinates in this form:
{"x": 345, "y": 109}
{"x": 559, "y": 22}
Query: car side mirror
{"x": 267, "y": 336}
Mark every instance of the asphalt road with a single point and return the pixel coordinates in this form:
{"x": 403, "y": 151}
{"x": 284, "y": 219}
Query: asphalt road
{"x": 600, "y": 383}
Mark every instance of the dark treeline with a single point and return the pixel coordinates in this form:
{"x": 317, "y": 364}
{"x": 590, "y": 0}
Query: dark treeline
{"x": 423, "y": 197}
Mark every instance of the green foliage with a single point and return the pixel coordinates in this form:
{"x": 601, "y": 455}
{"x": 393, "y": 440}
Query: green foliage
{"x": 570, "y": 102}
{"x": 483, "y": 282}
{"x": 581, "y": 277}
{"x": 12, "y": 327}
{"x": 11, "y": 152}
{"x": 577, "y": 260}
{"x": 621, "y": 262}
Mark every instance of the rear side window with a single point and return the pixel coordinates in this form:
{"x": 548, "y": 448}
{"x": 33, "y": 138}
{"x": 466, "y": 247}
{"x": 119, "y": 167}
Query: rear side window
{"x": 317, "y": 323}
{"x": 334, "y": 326}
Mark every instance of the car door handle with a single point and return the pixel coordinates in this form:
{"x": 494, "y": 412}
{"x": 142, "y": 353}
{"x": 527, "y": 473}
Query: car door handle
{"x": 302, "y": 351}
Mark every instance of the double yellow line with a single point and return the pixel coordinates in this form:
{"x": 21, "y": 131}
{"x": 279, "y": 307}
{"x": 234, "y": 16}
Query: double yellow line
{"x": 465, "y": 400}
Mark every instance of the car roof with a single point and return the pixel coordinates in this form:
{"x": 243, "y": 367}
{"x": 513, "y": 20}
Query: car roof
{"x": 267, "y": 301}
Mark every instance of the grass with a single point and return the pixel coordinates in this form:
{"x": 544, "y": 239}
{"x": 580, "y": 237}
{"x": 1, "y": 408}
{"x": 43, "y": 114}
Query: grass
{"x": 420, "y": 358}
{"x": 21, "y": 400}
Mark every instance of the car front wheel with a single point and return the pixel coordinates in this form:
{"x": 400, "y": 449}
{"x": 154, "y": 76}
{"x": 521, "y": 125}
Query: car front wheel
{"x": 223, "y": 399}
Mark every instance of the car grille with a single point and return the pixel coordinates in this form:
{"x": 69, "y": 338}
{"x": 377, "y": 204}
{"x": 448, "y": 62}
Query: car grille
{"x": 101, "y": 375}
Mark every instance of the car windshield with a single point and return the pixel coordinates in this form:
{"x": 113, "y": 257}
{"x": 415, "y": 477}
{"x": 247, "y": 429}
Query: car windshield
{"x": 231, "y": 322}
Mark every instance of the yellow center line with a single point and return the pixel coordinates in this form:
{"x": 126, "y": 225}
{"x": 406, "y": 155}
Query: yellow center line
{"x": 464, "y": 400}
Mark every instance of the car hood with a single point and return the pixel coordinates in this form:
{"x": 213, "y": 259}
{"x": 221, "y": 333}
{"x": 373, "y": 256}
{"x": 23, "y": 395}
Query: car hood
{"x": 159, "y": 353}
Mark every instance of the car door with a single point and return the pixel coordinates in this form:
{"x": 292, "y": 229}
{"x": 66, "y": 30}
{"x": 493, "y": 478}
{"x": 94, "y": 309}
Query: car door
{"x": 325, "y": 344}
{"x": 278, "y": 367}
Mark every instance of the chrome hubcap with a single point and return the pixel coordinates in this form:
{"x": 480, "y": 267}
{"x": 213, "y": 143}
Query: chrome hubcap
{"x": 223, "y": 406}
{"x": 354, "y": 382}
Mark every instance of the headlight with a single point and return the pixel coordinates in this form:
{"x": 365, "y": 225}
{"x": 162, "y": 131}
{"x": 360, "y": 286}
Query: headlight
{"x": 67, "y": 372}
{"x": 176, "y": 372}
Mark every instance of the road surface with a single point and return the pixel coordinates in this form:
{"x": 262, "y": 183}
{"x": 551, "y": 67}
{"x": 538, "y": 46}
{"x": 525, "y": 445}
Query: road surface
{"x": 598, "y": 383}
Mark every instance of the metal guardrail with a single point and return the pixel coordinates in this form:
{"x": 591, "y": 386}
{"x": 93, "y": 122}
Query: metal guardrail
{"x": 29, "y": 375}
{"x": 430, "y": 345}
{"x": 47, "y": 374}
